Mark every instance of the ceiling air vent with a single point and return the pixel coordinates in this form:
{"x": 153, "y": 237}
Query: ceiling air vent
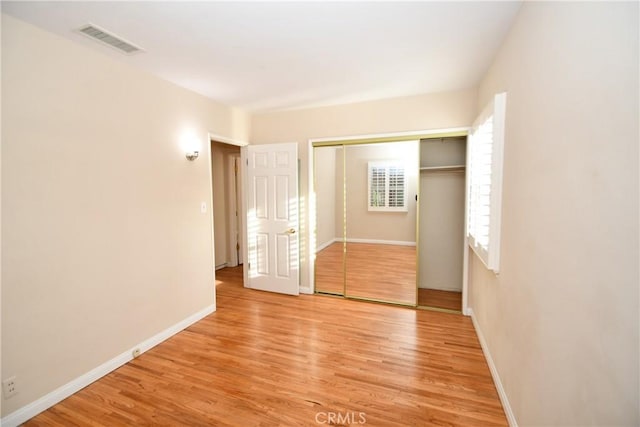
{"x": 97, "y": 33}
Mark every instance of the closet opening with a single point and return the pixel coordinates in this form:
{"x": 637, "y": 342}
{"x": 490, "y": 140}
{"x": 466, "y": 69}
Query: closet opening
{"x": 441, "y": 227}
{"x": 387, "y": 212}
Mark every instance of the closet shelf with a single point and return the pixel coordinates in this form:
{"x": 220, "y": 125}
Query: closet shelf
{"x": 442, "y": 168}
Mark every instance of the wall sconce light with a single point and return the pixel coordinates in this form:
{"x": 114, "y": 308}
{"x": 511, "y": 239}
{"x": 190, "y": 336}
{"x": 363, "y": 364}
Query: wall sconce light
{"x": 192, "y": 155}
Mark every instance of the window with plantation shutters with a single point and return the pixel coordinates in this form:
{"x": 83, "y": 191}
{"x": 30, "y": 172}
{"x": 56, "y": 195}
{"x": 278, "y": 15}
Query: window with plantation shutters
{"x": 387, "y": 189}
{"x": 485, "y": 148}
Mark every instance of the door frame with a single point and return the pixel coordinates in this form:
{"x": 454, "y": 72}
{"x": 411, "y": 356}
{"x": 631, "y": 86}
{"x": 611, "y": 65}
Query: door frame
{"x": 223, "y": 139}
{"x": 379, "y": 137}
{"x": 234, "y": 208}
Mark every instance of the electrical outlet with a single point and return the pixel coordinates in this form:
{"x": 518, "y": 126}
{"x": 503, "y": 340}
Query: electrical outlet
{"x": 9, "y": 387}
{"x": 135, "y": 353}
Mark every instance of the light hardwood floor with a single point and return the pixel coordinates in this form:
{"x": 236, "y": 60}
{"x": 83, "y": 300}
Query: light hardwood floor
{"x": 329, "y": 269}
{"x": 374, "y": 271}
{"x": 440, "y": 299}
{"x": 268, "y": 359}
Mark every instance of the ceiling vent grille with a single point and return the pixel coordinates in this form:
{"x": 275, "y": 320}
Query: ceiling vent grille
{"x": 97, "y": 33}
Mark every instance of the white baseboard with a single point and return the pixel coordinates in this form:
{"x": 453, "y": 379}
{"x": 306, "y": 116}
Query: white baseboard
{"x": 34, "y": 408}
{"x": 381, "y": 242}
{"x": 221, "y": 266}
{"x": 494, "y": 371}
{"x": 327, "y": 244}
{"x": 374, "y": 241}
{"x": 442, "y": 288}
{"x": 306, "y": 290}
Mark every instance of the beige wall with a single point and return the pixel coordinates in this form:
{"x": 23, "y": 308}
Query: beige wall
{"x": 434, "y": 111}
{"x": 103, "y": 241}
{"x": 441, "y": 230}
{"x": 561, "y": 318}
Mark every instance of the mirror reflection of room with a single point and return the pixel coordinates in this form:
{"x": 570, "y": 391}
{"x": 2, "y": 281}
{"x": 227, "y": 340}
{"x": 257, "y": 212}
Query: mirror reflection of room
{"x": 329, "y": 190}
{"x": 365, "y": 195}
{"x": 381, "y": 188}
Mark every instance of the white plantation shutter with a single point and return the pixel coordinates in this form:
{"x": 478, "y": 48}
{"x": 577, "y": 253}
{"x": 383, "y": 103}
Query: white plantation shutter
{"x": 377, "y": 186}
{"x": 396, "y": 187}
{"x": 387, "y": 188}
{"x": 486, "y": 143}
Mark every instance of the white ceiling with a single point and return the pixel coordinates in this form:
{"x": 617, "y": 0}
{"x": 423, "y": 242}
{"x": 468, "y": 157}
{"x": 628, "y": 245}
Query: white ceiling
{"x": 276, "y": 55}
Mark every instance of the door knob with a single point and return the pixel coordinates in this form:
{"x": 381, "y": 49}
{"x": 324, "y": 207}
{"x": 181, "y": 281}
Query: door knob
{"x": 291, "y": 231}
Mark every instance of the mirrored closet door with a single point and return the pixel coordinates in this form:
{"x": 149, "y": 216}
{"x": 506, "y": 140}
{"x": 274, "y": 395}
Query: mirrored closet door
{"x": 330, "y": 245}
{"x": 381, "y": 188}
{"x": 390, "y": 221}
{"x": 366, "y": 221}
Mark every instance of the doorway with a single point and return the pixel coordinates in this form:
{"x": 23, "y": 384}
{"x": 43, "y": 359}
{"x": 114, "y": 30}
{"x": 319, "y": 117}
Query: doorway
{"x": 254, "y": 198}
{"x": 227, "y": 189}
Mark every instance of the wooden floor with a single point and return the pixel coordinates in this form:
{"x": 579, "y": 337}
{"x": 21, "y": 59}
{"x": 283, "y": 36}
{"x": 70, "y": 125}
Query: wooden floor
{"x": 440, "y": 299}
{"x": 268, "y": 359}
{"x": 374, "y": 271}
{"x": 329, "y": 269}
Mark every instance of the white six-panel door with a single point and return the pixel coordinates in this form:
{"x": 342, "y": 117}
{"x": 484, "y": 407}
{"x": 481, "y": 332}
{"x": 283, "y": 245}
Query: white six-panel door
{"x": 272, "y": 218}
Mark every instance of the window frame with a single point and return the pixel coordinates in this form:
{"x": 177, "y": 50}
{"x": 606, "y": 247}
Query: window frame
{"x": 489, "y": 253}
{"x": 387, "y": 165}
